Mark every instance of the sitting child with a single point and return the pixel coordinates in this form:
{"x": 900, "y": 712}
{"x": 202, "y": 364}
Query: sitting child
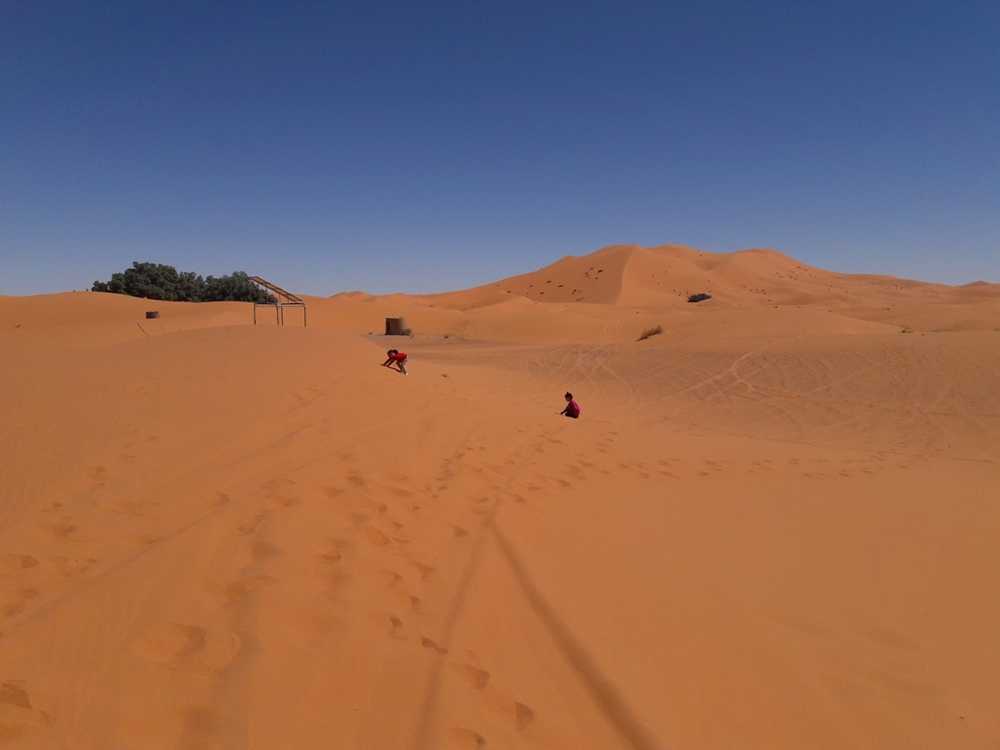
{"x": 572, "y": 408}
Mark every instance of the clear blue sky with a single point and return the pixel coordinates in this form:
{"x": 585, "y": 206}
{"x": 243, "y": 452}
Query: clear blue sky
{"x": 427, "y": 146}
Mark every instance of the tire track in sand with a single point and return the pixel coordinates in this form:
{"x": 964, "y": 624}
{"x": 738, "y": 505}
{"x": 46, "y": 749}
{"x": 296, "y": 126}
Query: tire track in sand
{"x": 605, "y": 696}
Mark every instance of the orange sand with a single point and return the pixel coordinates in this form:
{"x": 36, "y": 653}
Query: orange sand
{"x": 775, "y": 526}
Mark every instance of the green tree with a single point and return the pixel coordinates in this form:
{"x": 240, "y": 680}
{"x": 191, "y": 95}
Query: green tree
{"x": 159, "y": 281}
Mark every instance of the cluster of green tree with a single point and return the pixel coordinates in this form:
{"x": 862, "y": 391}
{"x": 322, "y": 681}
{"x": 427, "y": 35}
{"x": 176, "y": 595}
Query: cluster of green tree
{"x": 157, "y": 281}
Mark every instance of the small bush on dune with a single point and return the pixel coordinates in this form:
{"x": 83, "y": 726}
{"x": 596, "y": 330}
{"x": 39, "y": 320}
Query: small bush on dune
{"x": 655, "y": 331}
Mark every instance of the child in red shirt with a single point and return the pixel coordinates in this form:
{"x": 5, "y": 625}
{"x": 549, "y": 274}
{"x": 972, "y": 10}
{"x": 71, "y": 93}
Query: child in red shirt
{"x": 572, "y": 409}
{"x": 395, "y": 357}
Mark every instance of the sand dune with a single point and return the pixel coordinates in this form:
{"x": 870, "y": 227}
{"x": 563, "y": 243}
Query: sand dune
{"x": 775, "y": 525}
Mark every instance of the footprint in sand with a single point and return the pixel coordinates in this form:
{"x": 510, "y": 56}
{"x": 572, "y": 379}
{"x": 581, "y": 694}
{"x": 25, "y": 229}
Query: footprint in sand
{"x": 12, "y": 561}
{"x": 70, "y": 567}
{"x": 331, "y": 557}
{"x": 170, "y": 644}
{"x": 395, "y": 626}
{"x": 19, "y": 602}
{"x": 236, "y": 592}
{"x": 429, "y": 644}
{"x": 332, "y": 572}
{"x": 376, "y": 537}
{"x": 272, "y": 486}
{"x": 63, "y": 529}
{"x": 524, "y": 716}
{"x": 476, "y": 677}
{"x": 459, "y": 532}
{"x": 392, "y": 578}
{"x": 466, "y": 739}
{"x": 200, "y": 724}
{"x": 18, "y": 715}
{"x": 251, "y": 525}
{"x": 263, "y": 550}
{"x": 188, "y": 647}
{"x": 426, "y": 571}
{"x": 13, "y": 694}
{"x": 98, "y": 475}
{"x": 337, "y": 549}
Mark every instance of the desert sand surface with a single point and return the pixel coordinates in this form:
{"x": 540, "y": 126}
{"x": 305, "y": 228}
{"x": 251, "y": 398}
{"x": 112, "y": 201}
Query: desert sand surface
{"x": 776, "y": 525}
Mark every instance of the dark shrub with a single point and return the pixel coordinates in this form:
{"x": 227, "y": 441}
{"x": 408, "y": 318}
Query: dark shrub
{"x": 158, "y": 281}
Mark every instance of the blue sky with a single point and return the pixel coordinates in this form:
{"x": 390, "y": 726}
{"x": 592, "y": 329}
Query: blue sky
{"x": 430, "y": 146}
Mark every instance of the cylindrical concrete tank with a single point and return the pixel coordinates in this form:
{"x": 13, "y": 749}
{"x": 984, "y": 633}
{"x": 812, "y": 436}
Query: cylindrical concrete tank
{"x": 396, "y": 327}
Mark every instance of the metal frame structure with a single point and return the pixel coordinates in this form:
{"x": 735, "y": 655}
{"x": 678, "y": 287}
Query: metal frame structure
{"x": 282, "y": 299}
